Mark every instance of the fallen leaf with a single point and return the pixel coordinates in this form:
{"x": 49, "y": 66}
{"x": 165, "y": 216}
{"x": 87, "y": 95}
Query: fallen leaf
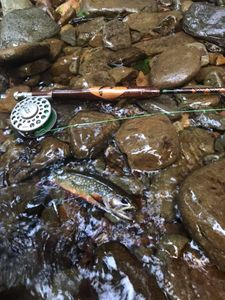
{"x": 220, "y": 60}
{"x": 185, "y": 120}
{"x": 142, "y": 79}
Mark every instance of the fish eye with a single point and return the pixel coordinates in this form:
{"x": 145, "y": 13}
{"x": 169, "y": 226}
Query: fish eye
{"x": 124, "y": 201}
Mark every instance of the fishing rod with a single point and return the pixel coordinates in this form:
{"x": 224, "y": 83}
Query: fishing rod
{"x": 34, "y": 115}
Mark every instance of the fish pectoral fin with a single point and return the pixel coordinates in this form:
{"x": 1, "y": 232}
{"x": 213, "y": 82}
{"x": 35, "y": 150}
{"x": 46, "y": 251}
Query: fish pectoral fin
{"x": 97, "y": 197}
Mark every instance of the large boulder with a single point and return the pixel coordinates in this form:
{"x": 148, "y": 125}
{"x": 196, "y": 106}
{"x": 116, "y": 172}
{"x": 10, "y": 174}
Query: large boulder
{"x": 26, "y": 26}
{"x": 175, "y": 67}
{"x": 195, "y": 144}
{"x": 149, "y": 143}
{"x": 202, "y": 204}
{"x": 187, "y": 273}
{"x": 206, "y": 21}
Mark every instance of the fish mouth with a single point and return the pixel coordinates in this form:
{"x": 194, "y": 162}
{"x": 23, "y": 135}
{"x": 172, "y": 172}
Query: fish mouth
{"x": 121, "y": 212}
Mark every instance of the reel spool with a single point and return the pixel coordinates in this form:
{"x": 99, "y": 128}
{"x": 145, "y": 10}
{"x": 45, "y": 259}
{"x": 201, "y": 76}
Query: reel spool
{"x": 33, "y": 117}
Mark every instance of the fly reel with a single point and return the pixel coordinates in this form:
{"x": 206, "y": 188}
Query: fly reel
{"x": 33, "y": 117}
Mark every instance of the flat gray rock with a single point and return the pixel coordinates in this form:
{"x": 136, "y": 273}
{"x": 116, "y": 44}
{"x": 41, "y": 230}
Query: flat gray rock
{"x": 26, "y": 26}
{"x": 206, "y": 21}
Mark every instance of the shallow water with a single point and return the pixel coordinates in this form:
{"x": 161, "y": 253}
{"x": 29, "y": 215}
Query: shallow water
{"x": 54, "y": 245}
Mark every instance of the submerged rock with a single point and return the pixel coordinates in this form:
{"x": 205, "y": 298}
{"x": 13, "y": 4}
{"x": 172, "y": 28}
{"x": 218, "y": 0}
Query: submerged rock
{"x": 116, "y": 35}
{"x": 211, "y": 121}
{"x": 89, "y": 140}
{"x": 123, "y": 74}
{"x": 114, "y": 257}
{"x": 175, "y": 67}
{"x": 30, "y": 69}
{"x": 206, "y": 21}
{"x": 93, "y": 59}
{"x": 198, "y": 278}
{"x": 8, "y": 103}
{"x": 51, "y": 150}
{"x": 125, "y": 57}
{"x": 114, "y": 7}
{"x": 202, "y": 202}
{"x": 149, "y": 143}
{"x": 26, "y": 26}
{"x": 195, "y": 144}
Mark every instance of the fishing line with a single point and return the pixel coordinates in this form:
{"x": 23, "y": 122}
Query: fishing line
{"x": 80, "y": 125}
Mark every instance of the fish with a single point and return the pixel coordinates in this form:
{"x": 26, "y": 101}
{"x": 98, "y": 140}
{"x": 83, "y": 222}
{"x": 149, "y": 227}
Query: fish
{"x": 96, "y": 192}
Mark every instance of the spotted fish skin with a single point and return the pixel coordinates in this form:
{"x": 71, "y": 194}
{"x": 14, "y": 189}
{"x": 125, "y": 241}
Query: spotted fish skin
{"x": 96, "y": 192}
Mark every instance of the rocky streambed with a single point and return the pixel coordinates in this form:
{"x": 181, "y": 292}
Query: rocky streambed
{"x": 164, "y": 172}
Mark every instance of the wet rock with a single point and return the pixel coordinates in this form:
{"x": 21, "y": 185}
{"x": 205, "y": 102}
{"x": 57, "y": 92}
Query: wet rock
{"x": 201, "y": 206}
{"x": 123, "y": 74}
{"x": 102, "y": 78}
{"x": 32, "y": 81}
{"x": 92, "y": 59}
{"x": 204, "y": 73}
{"x": 29, "y": 26}
{"x": 205, "y": 21}
{"x": 32, "y": 68}
{"x": 61, "y": 69}
{"x": 4, "y": 81}
{"x": 214, "y": 79}
{"x": 68, "y": 50}
{"x": 87, "y": 291}
{"x": 8, "y": 103}
{"x": 74, "y": 67}
{"x": 211, "y": 121}
{"x": 89, "y": 140}
{"x": 115, "y": 7}
{"x": 96, "y": 40}
{"x": 175, "y": 67}
{"x": 203, "y": 52}
{"x": 51, "y": 150}
{"x": 149, "y": 23}
{"x": 197, "y": 101}
{"x": 135, "y": 36}
{"x": 19, "y": 293}
{"x": 125, "y": 57}
{"x": 89, "y": 31}
{"x": 23, "y": 54}
{"x": 55, "y": 46}
{"x": 156, "y": 46}
{"x": 163, "y": 104}
{"x": 116, "y": 35}
{"x": 195, "y": 144}
{"x": 68, "y": 34}
{"x": 198, "y": 277}
{"x": 220, "y": 143}
{"x": 149, "y": 143}
{"x": 143, "y": 284}
{"x": 15, "y": 163}
{"x": 186, "y": 5}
